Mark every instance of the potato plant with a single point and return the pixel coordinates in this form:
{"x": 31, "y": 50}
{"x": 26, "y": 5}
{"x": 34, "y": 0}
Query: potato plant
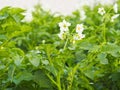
{"x": 55, "y": 52}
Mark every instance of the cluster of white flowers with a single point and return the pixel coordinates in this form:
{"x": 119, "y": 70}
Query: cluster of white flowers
{"x": 64, "y": 25}
{"x": 115, "y": 8}
{"x": 101, "y": 11}
{"x": 79, "y": 31}
{"x": 64, "y": 29}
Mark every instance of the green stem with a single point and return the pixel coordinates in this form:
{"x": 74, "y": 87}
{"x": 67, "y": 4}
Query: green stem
{"x": 104, "y": 33}
{"x": 58, "y": 81}
{"x": 71, "y": 76}
{"x": 48, "y": 55}
{"x": 65, "y": 44}
{"x": 51, "y": 79}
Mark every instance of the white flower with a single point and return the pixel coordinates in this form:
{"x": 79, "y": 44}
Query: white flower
{"x": 64, "y": 25}
{"x": 78, "y": 36}
{"x": 101, "y": 11}
{"x": 114, "y": 17}
{"x": 61, "y": 35}
{"x": 79, "y": 28}
{"x": 115, "y": 8}
{"x": 82, "y": 15}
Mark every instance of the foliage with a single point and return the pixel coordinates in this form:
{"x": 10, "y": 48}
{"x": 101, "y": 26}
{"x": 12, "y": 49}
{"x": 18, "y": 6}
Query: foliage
{"x": 33, "y": 57}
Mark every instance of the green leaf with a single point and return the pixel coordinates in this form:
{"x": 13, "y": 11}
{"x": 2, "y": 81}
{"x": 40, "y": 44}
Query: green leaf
{"x": 115, "y": 76}
{"x": 111, "y": 48}
{"x": 86, "y": 45}
{"x": 2, "y": 67}
{"x": 34, "y": 57}
{"x": 18, "y": 60}
{"x": 3, "y": 53}
{"x": 16, "y": 10}
{"x": 17, "y": 55}
{"x": 35, "y": 61}
{"x": 5, "y": 9}
{"x": 90, "y": 74}
{"x": 102, "y": 58}
{"x": 45, "y": 62}
{"x": 18, "y": 17}
{"x": 2, "y": 17}
{"x": 3, "y": 37}
{"x": 51, "y": 69}
{"x": 22, "y": 76}
{"x": 89, "y": 46}
{"x": 42, "y": 80}
{"x": 11, "y": 72}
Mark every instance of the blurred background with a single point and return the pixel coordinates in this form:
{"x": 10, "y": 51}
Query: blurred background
{"x": 65, "y": 7}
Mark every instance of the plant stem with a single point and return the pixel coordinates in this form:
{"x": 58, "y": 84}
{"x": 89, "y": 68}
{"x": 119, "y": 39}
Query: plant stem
{"x": 58, "y": 81}
{"x": 104, "y": 33}
{"x": 65, "y": 44}
{"x": 51, "y": 79}
{"x": 71, "y": 75}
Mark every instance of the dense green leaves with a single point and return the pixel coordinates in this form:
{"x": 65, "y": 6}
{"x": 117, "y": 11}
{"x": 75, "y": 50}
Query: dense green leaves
{"x": 32, "y": 57}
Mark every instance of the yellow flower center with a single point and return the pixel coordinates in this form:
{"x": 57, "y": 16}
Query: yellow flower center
{"x": 79, "y": 28}
{"x": 64, "y": 26}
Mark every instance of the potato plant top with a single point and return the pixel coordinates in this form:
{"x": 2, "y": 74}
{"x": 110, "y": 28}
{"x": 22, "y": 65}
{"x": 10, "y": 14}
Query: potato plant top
{"x": 55, "y": 52}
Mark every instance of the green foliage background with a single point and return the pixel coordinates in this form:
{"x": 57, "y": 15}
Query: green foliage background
{"x": 32, "y": 55}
